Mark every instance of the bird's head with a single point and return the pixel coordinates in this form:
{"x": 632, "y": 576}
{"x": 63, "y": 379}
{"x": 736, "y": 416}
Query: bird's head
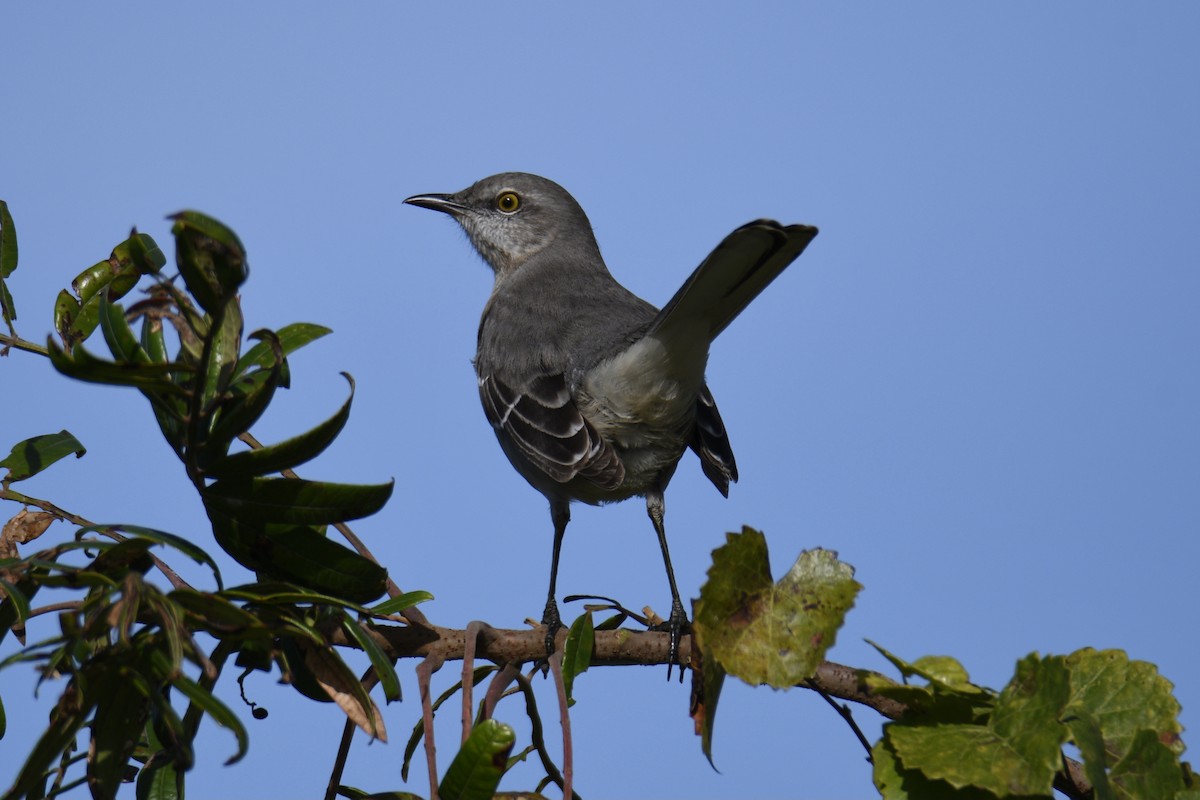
{"x": 513, "y": 216}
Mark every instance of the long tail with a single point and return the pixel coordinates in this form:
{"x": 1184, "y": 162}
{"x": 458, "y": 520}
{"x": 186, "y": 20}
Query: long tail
{"x": 740, "y": 267}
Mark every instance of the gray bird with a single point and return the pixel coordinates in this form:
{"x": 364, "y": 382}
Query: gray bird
{"x": 594, "y": 393}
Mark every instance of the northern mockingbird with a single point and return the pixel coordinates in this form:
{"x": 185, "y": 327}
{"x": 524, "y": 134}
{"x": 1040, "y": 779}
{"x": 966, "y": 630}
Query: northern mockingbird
{"x": 594, "y": 393}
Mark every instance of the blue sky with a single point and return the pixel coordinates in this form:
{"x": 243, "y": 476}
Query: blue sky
{"x": 979, "y": 384}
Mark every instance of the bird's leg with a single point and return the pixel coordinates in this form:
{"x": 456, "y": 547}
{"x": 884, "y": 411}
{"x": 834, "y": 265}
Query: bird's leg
{"x": 560, "y": 513}
{"x": 677, "y": 622}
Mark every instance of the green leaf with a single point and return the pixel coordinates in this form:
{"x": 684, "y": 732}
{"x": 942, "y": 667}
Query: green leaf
{"x": 247, "y": 399}
{"x": 1017, "y": 752}
{"x": 1125, "y": 697}
{"x": 8, "y": 242}
{"x": 942, "y": 671}
{"x": 121, "y": 712}
{"x": 577, "y": 655}
{"x": 169, "y": 410}
{"x": 291, "y": 338}
{"x": 8, "y": 263}
{"x": 179, "y": 543}
{"x": 297, "y": 502}
{"x": 67, "y": 718}
{"x": 770, "y": 633}
{"x": 143, "y": 253}
{"x": 896, "y": 783}
{"x": 705, "y": 712}
{"x": 1087, "y": 736}
{"x": 397, "y": 604}
{"x": 108, "y": 274}
{"x": 476, "y": 770}
{"x": 418, "y": 731}
{"x": 344, "y": 687}
{"x": 82, "y": 365}
{"x": 33, "y": 455}
{"x": 161, "y": 778}
{"x": 288, "y": 454}
{"x": 1150, "y": 769}
{"x": 214, "y": 613}
{"x": 223, "y": 346}
{"x": 211, "y": 259}
{"x": 123, "y": 345}
{"x": 13, "y": 596}
{"x": 384, "y": 668}
{"x": 3, "y": 720}
{"x": 300, "y": 555}
{"x": 218, "y": 711}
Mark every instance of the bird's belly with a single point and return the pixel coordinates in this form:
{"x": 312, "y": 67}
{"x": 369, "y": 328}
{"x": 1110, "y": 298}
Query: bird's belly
{"x": 644, "y": 403}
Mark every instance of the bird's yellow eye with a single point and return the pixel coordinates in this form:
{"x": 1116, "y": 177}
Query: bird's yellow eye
{"x": 508, "y": 202}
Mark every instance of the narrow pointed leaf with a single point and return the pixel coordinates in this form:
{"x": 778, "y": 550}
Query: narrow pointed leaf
{"x": 123, "y": 345}
{"x": 169, "y": 410}
{"x": 8, "y": 263}
{"x": 246, "y": 399}
{"x": 296, "y": 501}
{"x": 577, "y": 655}
{"x": 220, "y": 713}
{"x": 121, "y": 714}
{"x": 710, "y": 679}
{"x": 66, "y": 720}
{"x": 160, "y": 779}
{"x": 400, "y": 602}
{"x": 287, "y": 454}
{"x": 291, "y": 338}
{"x": 82, "y": 365}
{"x": 384, "y": 668}
{"x": 344, "y": 688}
{"x": 8, "y": 242}
{"x": 299, "y": 555}
{"x": 33, "y": 455}
{"x": 179, "y": 543}
{"x": 221, "y": 349}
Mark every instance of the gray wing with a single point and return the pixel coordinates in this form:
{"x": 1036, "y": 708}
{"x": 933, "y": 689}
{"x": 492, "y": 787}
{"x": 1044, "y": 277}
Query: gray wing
{"x": 740, "y": 267}
{"x": 545, "y": 425}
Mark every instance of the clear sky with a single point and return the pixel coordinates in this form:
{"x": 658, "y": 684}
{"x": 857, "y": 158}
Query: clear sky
{"x": 980, "y": 384}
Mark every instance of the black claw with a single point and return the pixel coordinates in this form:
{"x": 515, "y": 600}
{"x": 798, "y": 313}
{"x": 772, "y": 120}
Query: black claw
{"x": 676, "y": 625}
{"x": 552, "y": 622}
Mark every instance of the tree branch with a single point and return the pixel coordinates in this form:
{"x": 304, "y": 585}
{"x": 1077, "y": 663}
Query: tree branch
{"x": 648, "y": 648}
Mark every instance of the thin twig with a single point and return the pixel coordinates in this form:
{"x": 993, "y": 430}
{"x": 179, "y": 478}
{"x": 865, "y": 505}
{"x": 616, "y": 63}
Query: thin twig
{"x": 424, "y": 672}
{"x": 536, "y": 733}
{"x": 339, "y": 763}
{"x": 22, "y": 344}
{"x": 468, "y": 672}
{"x": 500, "y": 681}
{"x": 73, "y": 605}
{"x": 45, "y": 505}
{"x": 564, "y": 719}
{"x": 368, "y": 680}
{"x": 844, "y": 711}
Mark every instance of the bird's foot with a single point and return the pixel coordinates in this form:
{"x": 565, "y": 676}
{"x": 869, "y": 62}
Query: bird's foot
{"x": 676, "y": 625}
{"x": 553, "y": 623}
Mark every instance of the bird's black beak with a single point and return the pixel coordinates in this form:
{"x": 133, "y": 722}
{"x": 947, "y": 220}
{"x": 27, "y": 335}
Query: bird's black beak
{"x": 438, "y": 202}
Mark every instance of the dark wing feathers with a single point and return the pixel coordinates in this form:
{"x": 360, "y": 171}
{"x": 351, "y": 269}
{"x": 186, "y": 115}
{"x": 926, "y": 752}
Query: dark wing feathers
{"x": 546, "y": 426}
{"x": 711, "y": 444}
